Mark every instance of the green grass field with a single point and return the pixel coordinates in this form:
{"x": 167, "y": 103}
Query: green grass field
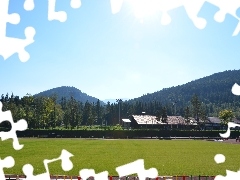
{"x": 170, "y": 157}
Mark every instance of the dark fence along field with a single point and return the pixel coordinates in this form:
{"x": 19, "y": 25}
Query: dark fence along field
{"x": 123, "y": 134}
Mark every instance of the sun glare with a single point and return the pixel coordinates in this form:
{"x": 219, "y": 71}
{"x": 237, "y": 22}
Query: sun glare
{"x": 144, "y": 8}
{"x": 148, "y": 8}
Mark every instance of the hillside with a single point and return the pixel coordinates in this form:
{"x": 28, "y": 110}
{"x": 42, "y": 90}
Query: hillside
{"x": 66, "y": 91}
{"x": 213, "y": 89}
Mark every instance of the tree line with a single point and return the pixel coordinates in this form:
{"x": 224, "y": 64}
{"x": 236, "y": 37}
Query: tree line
{"x": 47, "y": 112}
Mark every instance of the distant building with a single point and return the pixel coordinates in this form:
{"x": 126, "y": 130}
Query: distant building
{"x": 181, "y": 121}
{"x": 176, "y": 122}
{"x": 126, "y": 123}
{"x": 215, "y": 123}
{"x": 149, "y": 121}
{"x": 212, "y": 123}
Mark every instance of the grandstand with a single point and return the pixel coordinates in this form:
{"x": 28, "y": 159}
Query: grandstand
{"x": 142, "y": 121}
{"x": 173, "y": 122}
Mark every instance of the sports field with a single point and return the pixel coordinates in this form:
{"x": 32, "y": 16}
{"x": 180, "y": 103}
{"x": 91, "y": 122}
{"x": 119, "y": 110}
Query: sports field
{"x": 169, "y": 157}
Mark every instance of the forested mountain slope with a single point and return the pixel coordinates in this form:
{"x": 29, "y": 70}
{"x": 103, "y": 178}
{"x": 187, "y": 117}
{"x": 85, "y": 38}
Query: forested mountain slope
{"x": 66, "y": 91}
{"x": 214, "y": 89}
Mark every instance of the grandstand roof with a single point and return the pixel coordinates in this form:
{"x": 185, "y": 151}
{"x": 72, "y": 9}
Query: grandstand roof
{"x": 215, "y": 120}
{"x": 180, "y": 120}
{"x": 148, "y": 119}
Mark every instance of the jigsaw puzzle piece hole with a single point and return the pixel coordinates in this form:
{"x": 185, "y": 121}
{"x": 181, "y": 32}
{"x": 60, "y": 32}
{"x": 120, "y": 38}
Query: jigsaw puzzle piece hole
{"x": 22, "y": 125}
{"x": 75, "y": 4}
{"x": 5, "y": 126}
{"x": 24, "y": 56}
{"x": 67, "y": 165}
{"x": 62, "y": 16}
{"x": 28, "y": 170}
{"x": 14, "y": 18}
{"x": 28, "y": 5}
{"x": 9, "y": 162}
{"x": 219, "y": 16}
{"x": 29, "y": 32}
{"x": 200, "y": 23}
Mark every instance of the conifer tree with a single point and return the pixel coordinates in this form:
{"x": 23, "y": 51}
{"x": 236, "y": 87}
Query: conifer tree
{"x": 196, "y": 106}
{"x": 187, "y": 115}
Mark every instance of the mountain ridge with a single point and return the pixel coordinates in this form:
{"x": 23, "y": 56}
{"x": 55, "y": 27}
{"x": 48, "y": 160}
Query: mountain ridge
{"x": 67, "y": 92}
{"x": 216, "y": 86}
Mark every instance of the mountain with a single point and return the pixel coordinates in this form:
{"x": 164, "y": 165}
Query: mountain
{"x": 67, "y": 91}
{"x": 213, "y": 89}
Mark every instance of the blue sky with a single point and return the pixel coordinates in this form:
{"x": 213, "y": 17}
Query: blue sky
{"x": 111, "y": 56}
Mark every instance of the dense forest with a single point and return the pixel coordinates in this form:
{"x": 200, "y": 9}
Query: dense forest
{"x": 46, "y": 112}
{"x": 55, "y": 108}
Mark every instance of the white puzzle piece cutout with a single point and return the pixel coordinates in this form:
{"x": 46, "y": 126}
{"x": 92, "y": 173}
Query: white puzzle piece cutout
{"x": 230, "y": 175}
{"x": 227, "y": 7}
{"x": 55, "y": 15}
{"x": 10, "y": 45}
{"x": 137, "y": 167}
{"x": 7, "y": 162}
{"x": 219, "y": 158}
{"x": 236, "y": 89}
{"x": 193, "y": 8}
{"x": 20, "y": 125}
{"x": 87, "y": 173}
{"x": 230, "y": 125}
{"x": 60, "y": 15}
{"x": 66, "y": 164}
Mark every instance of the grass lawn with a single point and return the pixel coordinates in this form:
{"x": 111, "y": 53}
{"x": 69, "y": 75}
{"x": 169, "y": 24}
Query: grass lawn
{"x": 170, "y": 157}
